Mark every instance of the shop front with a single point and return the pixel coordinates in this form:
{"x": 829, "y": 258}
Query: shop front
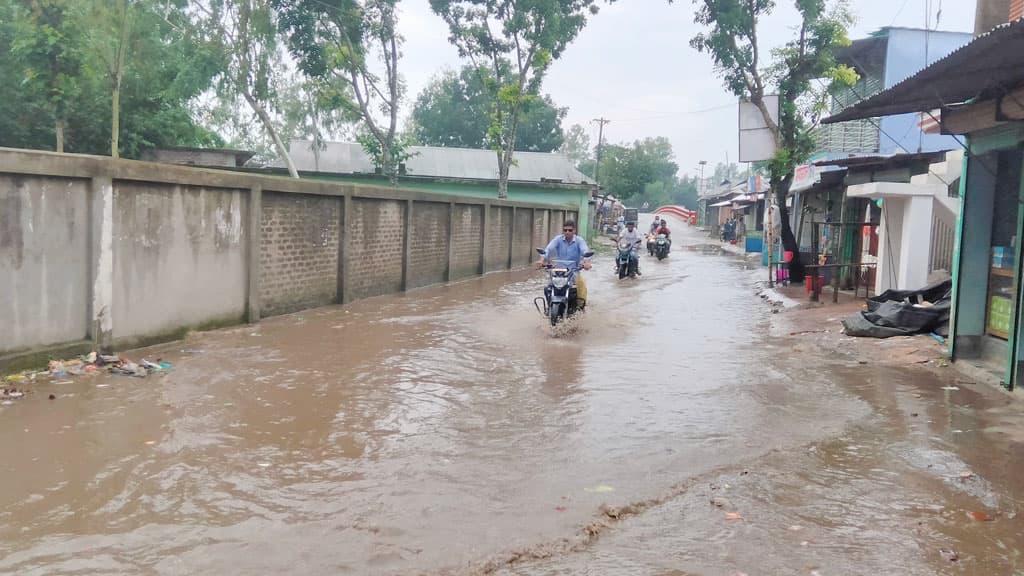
{"x": 987, "y": 321}
{"x": 978, "y": 92}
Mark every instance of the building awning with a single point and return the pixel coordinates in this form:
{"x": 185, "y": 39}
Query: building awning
{"x": 988, "y": 66}
{"x": 719, "y": 204}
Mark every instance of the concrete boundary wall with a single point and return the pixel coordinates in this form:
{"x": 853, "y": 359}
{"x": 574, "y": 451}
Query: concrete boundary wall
{"x": 97, "y": 253}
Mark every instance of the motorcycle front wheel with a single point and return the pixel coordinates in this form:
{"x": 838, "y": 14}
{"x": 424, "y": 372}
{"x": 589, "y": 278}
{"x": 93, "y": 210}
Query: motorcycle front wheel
{"x": 556, "y": 313}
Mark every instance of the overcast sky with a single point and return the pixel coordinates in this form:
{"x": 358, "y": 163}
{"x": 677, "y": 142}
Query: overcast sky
{"x": 633, "y": 65}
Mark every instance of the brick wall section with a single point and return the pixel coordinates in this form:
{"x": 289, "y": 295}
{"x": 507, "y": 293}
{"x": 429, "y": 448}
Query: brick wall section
{"x": 500, "y": 226}
{"x": 375, "y": 253}
{"x": 523, "y": 246}
{"x": 298, "y": 252}
{"x": 540, "y": 231}
{"x": 429, "y": 251}
{"x": 555, "y": 221}
{"x": 468, "y": 221}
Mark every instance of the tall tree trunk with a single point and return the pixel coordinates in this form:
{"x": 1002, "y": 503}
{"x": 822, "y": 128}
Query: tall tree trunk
{"x": 115, "y": 106}
{"x": 115, "y": 122}
{"x": 268, "y": 124}
{"x": 390, "y": 170}
{"x": 59, "y": 129}
{"x": 796, "y": 266}
{"x": 504, "y": 163}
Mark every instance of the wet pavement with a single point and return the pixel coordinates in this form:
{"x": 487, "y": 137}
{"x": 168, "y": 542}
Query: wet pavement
{"x": 445, "y": 431}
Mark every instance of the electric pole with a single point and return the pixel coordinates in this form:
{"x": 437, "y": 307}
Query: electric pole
{"x": 600, "y": 139}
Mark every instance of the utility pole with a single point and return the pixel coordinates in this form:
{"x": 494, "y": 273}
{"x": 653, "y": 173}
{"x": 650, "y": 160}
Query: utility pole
{"x": 600, "y": 140}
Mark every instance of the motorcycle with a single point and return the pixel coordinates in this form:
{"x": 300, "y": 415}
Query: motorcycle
{"x": 626, "y": 263}
{"x": 661, "y": 246}
{"x": 650, "y": 244}
{"x": 560, "y": 301}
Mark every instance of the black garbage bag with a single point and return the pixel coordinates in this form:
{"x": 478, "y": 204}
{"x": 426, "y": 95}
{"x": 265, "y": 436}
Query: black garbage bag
{"x": 901, "y": 313}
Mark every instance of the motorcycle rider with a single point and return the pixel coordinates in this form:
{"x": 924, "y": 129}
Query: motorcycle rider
{"x": 568, "y": 247}
{"x": 663, "y": 229}
{"x": 632, "y": 235}
{"x": 655, "y": 225}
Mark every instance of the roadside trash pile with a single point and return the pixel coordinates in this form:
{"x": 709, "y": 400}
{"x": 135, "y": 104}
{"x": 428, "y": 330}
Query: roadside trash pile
{"x": 93, "y": 363}
{"x": 13, "y": 386}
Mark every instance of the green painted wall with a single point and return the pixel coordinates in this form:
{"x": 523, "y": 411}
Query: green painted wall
{"x": 550, "y": 194}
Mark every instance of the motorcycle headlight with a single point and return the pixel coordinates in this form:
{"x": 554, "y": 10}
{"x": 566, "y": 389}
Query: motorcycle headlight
{"x": 623, "y": 246}
{"x": 559, "y": 281}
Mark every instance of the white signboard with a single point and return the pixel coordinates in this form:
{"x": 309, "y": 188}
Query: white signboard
{"x": 756, "y": 142}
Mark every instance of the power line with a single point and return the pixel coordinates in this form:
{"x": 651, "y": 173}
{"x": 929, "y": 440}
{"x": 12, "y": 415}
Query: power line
{"x": 677, "y": 114}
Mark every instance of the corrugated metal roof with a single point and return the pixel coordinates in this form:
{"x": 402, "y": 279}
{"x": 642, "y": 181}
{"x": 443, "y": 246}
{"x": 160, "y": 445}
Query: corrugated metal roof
{"x": 437, "y": 162}
{"x": 990, "y": 64}
{"x": 885, "y": 160}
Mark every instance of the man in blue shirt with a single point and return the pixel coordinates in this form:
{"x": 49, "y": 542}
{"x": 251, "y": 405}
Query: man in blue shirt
{"x": 569, "y": 248}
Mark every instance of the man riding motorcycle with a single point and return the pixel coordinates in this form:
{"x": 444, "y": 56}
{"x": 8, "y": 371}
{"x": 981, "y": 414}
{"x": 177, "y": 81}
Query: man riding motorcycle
{"x": 663, "y": 229}
{"x": 632, "y": 236}
{"x": 568, "y": 247}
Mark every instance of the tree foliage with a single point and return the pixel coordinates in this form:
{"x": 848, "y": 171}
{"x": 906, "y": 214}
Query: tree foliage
{"x": 516, "y": 42}
{"x": 337, "y": 43}
{"x": 242, "y": 35}
{"x": 644, "y": 171}
{"x": 731, "y": 39}
{"x": 455, "y": 110}
{"x": 55, "y": 61}
{"x": 576, "y": 145}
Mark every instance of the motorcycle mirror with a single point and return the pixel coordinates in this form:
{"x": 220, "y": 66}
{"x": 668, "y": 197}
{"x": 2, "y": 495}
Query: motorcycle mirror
{"x": 588, "y": 254}
{"x": 540, "y": 251}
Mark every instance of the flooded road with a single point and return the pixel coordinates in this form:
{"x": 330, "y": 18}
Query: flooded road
{"x": 445, "y": 431}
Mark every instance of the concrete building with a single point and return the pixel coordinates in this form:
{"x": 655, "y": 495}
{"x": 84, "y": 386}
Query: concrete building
{"x": 980, "y": 92}
{"x": 819, "y": 194}
{"x": 204, "y": 157}
{"x": 911, "y": 206}
{"x": 535, "y": 176}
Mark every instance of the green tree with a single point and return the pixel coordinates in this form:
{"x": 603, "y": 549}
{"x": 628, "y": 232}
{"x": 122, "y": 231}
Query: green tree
{"x": 644, "y": 171}
{"x": 516, "y": 42}
{"x": 731, "y": 39}
{"x": 46, "y": 41}
{"x": 576, "y": 145}
{"x": 686, "y": 192}
{"x": 161, "y": 75}
{"x": 726, "y": 171}
{"x": 336, "y": 42}
{"x": 243, "y": 34}
{"x": 455, "y": 110}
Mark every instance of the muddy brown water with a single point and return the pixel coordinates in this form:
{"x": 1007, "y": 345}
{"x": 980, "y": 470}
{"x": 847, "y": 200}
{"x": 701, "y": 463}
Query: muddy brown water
{"x": 446, "y": 431}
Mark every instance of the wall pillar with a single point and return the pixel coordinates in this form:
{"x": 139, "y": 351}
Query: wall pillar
{"x": 101, "y": 304}
{"x": 483, "y": 237}
{"x": 512, "y": 240}
{"x": 914, "y": 256}
{"x": 451, "y": 242}
{"x": 973, "y": 259}
{"x": 255, "y": 241}
{"x": 344, "y": 292}
{"x": 406, "y": 244}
